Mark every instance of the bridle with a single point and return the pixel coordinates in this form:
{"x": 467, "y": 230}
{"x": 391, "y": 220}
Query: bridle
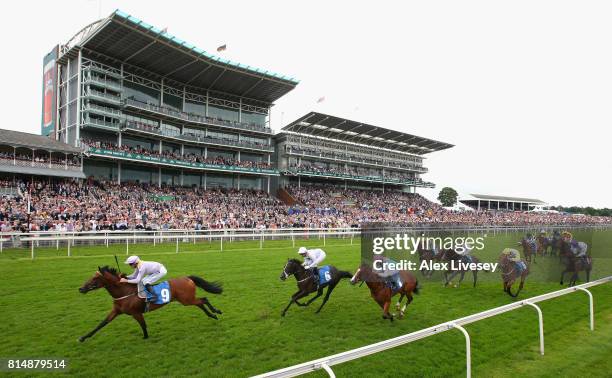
{"x": 286, "y": 275}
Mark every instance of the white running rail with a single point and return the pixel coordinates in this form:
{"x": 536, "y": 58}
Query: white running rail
{"x": 325, "y": 363}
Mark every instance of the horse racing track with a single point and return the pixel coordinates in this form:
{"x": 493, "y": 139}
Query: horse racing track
{"x": 43, "y": 314}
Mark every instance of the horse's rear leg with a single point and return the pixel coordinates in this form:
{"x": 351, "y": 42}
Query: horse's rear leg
{"x": 319, "y": 293}
{"x": 212, "y": 308}
{"x": 475, "y": 272}
{"x": 112, "y": 315}
{"x": 386, "y": 313}
{"x": 203, "y": 308}
{"x": 140, "y": 319}
{"x": 329, "y": 291}
{"x": 397, "y": 306}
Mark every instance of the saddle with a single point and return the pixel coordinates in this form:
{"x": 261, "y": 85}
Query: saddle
{"x": 394, "y": 282}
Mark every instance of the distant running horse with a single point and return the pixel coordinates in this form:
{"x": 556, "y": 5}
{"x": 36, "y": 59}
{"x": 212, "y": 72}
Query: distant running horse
{"x": 307, "y": 283}
{"x": 126, "y": 299}
{"x": 449, "y": 255}
{"x": 573, "y": 263}
{"x": 510, "y": 274}
{"x": 530, "y": 249}
{"x": 382, "y": 294}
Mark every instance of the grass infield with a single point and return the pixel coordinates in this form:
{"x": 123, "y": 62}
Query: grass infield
{"x": 43, "y": 314}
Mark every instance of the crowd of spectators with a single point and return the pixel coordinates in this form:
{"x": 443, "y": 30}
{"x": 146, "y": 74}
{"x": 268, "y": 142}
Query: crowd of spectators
{"x": 306, "y": 166}
{"x": 176, "y": 155}
{"x": 72, "y": 206}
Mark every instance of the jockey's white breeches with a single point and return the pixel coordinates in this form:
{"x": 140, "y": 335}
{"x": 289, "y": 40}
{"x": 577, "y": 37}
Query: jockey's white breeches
{"x": 152, "y": 278}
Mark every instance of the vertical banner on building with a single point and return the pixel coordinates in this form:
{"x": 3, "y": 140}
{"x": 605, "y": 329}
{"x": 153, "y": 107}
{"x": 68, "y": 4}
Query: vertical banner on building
{"x": 49, "y": 106}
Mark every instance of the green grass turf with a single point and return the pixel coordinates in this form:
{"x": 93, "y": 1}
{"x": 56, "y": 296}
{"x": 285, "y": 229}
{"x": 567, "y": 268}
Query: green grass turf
{"x": 43, "y": 314}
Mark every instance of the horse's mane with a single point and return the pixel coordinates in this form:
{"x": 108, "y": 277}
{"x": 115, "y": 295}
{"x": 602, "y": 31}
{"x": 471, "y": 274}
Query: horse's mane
{"x": 108, "y": 269}
{"x": 295, "y": 261}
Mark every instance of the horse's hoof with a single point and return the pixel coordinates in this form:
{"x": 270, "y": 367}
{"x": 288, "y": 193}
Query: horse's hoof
{"x": 218, "y": 311}
{"x": 81, "y": 339}
{"x": 283, "y": 314}
{"x": 145, "y": 337}
{"x": 214, "y": 316}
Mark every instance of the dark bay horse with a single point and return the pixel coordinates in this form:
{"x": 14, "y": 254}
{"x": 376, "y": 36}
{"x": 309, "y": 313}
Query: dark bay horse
{"x": 428, "y": 255}
{"x": 529, "y": 250}
{"x": 544, "y": 243}
{"x": 126, "y": 300}
{"x": 574, "y": 264}
{"x": 510, "y": 274}
{"x": 307, "y": 283}
{"x": 383, "y": 294}
{"x": 448, "y": 255}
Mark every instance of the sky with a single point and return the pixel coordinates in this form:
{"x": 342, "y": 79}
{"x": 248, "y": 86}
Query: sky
{"x": 523, "y": 89}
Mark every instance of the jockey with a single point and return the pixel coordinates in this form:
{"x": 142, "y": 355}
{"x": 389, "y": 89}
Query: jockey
{"x": 147, "y": 272}
{"x": 578, "y": 249}
{"x": 312, "y": 258}
{"x": 512, "y": 254}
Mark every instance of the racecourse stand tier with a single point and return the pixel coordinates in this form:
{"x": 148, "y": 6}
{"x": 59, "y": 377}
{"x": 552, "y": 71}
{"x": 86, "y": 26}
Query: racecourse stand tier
{"x": 82, "y": 205}
{"x": 150, "y": 108}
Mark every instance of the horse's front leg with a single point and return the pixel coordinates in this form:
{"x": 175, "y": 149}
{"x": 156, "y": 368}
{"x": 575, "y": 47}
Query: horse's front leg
{"x": 299, "y": 294}
{"x": 319, "y": 293}
{"x": 386, "y": 313}
{"x": 112, "y": 315}
{"x": 562, "y": 275}
{"x": 140, "y": 319}
{"x": 327, "y": 294}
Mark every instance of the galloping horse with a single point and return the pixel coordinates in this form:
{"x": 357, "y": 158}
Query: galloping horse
{"x": 382, "y": 294}
{"x": 529, "y": 249}
{"x": 574, "y": 263}
{"x": 449, "y": 255}
{"x": 429, "y": 255}
{"x": 543, "y": 243}
{"x": 555, "y": 244}
{"x": 126, "y": 300}
{"x": 307, "y": 283}
{"x": 510, "y": 274}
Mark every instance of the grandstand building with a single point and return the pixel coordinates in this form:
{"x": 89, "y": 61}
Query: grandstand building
{"x": 320, "y": 148}
{"x": 146, "y": 106}
{"x": 493, "y": 202}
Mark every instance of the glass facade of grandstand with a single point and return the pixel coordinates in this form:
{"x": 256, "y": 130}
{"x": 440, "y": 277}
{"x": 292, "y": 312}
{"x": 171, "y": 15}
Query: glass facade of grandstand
{"x": 135, "y": 127}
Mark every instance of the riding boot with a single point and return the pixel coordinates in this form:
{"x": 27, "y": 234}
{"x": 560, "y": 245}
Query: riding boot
{"x": 150, "y": 290}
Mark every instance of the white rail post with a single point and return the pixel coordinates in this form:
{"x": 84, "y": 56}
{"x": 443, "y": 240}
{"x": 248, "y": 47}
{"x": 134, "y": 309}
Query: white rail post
{"x": 293, "y": 240}
{"x": 541, "y": 323}
{"x": 328, "y": 370}
{"x": 324, "y": 239}
{"x": 154, "y": 239}
{"x": 261, "y": 241}
{"x": 177, "y": 245}
{"x": 127, "y": 246}
{"x": 468, "y": 355}
{"x": 32, "y": 242}
{"x": 69, "y": 254}
{"x": 592, "y": 318}
{"x": 1, "y": 246}
{"x": 57, "y": 244}
{"x": 220, "y": 238}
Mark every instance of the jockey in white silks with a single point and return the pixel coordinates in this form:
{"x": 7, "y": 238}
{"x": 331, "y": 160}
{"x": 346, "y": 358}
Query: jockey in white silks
{"x": 147, "y": 272}
{"x": 312, "y": 259}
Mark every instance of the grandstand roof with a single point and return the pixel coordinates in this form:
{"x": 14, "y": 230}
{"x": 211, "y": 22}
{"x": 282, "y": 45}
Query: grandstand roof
{"x": 318, "y": 124}
{"x": 35, "y": 142}
{"x": 126, "y": 38}
{"x": 486, "y": 197}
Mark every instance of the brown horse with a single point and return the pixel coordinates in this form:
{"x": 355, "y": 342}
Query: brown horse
{"x": 543, "y": 243}
{"x": 574, "y": 264}
{"x": 447, "y": 256}
{"x": 126, "y": 300}
{"x": 510, "y": 274}
{"x": 529, "y": 250}
{"x": 382, "y": 294}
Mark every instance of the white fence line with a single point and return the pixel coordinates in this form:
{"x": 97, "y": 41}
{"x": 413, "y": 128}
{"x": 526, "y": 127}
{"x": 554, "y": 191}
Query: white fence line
{"x": 171, "y": 237}
{"x": 325, "y": 362}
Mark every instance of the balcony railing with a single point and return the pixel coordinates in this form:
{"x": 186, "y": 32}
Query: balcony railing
{"x": 111, "y": 84}
{"x": 113, "y": 99}
{"x": 197, "y": 138}
{"x": 99, "y": 123}
{"x": 390, "y": 180}
{"x": 194, "y": 118}
{"x": 19, "y": 162}
{"x": 115, "y": 113}
{"x": 177, "y": 162}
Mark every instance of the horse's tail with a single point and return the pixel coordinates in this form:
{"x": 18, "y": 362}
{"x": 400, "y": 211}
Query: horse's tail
{"x": 344, "y": 274}
{"x": 211, "y": 287}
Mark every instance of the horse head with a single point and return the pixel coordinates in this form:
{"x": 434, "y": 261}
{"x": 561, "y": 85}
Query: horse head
{"x": 102, "y": 277}
{"x": 291, "y": 267}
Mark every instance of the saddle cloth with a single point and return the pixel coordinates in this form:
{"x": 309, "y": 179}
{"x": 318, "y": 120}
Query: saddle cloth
{"x": 161, "y": 290}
